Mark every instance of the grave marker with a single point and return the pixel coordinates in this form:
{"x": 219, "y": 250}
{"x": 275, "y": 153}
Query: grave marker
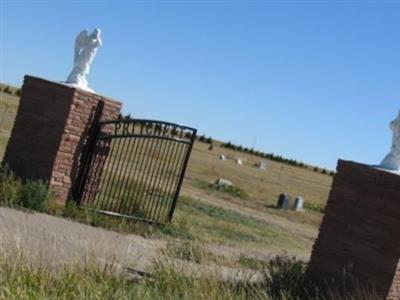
{"x": 283, "y": 201}
{"x": 298, "y": 204}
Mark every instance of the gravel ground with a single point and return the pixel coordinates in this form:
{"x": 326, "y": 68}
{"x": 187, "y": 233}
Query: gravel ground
{"x": 62, "y": 241}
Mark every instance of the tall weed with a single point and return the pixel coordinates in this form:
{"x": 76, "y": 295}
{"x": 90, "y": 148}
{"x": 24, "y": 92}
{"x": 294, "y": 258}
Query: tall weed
{"x": 34, "y": 195}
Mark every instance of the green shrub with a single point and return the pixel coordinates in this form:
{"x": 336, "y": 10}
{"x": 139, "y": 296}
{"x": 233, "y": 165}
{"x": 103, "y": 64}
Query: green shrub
{"x": 18, "y": 92}
{"x": 10, "y": 188}
{"x": 7, "y": 90}
{"x": 202, "y": 138}
{"x": 314, "y": 207}
{"x": 36, "y": 195}
{"x": 283, "y": 278}
{"x": 231, "y": 190}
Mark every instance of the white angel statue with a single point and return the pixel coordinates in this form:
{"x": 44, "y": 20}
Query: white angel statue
{"x": 86, "y": 46}
{"x": 392, "y": 161}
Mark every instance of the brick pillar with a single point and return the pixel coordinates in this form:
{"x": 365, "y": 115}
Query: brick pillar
{"x": 360, "y": 233}
{"x": 50, "y": 131}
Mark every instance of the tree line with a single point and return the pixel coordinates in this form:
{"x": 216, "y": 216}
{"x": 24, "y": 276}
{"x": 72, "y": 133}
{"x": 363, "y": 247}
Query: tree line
{"x": 261, "y": 154}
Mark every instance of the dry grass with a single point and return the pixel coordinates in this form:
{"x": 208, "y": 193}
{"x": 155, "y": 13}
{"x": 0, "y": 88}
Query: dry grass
{"x": 262, "y": 186}
{"x": 8, "y": 109}
{"x": 270, "y": 230}
{"x": 210, "y": 228}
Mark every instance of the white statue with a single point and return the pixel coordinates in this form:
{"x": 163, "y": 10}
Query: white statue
{"x": 86, "y": 46}
{"x": 392, "y": 160}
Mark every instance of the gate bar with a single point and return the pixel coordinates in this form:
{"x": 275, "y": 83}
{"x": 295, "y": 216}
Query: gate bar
{"x": 182, "y": 175}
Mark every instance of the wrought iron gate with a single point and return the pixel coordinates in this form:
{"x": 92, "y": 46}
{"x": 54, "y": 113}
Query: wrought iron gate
{"x": 135, "y": 168}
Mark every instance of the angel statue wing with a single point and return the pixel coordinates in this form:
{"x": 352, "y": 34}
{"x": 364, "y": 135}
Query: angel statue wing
{"x": 80, "y": 42}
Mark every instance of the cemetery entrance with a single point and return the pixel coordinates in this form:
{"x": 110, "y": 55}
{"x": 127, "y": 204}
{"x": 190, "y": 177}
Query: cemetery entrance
{"x": 134, "y": 168}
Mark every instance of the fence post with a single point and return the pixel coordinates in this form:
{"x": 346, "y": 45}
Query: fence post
{"x": 182, "y": 175}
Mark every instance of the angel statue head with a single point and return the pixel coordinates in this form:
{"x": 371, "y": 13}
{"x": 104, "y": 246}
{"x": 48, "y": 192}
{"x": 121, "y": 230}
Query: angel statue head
{"x": 86, "y": 46}
{"x": 392, "y": 160}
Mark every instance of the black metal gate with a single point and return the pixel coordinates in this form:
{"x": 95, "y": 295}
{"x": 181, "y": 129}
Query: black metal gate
{"x": 135, "y": 168}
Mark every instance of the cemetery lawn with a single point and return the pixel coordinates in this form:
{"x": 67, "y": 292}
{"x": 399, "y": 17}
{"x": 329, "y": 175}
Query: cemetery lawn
{"x": 208, "y": 224}
{"x": 239, "y": 229}
{"x": 8, "y": 108}
{"x": 216, "y": 217}
{"x": 262, "y": 186}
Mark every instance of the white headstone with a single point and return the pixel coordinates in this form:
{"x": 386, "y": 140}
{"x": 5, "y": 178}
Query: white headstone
{"x": 262, "y": 165}
{"x": 239, "y": 161}
{"x": 298, "y": 204}
{"x": 86, "y": 46}
{"x": 223, "y": 182}
{"x": 392, "y": 161}
{"x": 222, "y": 157}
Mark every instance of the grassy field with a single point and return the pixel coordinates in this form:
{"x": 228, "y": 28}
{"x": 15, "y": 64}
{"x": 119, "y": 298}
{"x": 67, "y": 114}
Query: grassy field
{"x": 260, "y": 187}
{"x": 8, "y": 108}
{"x": 20, "y": 279}
{"x": 238, "y": 228}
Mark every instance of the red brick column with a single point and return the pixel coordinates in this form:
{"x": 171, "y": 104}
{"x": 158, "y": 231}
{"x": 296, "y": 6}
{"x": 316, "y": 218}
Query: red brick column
{"x": 50, "y": 132}
{"x": 360, "y": 234}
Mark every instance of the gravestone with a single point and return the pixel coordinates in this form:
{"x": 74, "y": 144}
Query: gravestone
{"x": 239, "y": 161}
{"x": 220, "y": 182}
{"x": 298, "y": 204}
{"x": 222, "y": 157}
{"x": 283, "y": 201}
{"x": 262, "y": 165}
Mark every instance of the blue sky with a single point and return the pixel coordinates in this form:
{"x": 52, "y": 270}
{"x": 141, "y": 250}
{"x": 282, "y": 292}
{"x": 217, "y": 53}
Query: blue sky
{"x": 313, "y": 80}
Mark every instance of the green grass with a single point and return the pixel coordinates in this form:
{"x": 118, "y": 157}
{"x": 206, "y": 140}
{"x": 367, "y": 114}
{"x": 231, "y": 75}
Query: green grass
{"x": 124, "y": 225}
{"x": 204, "y": 165}
{"x": 120, "y": 190}
{"x": 233, "y": 191}
{"x": 197, "y": 221}
{"x": 212, "y": 224}
{"x": 283, "y": 279}
{"x": 194, "y": 220}
{"x": 20, "y": 280}
{"x": 3, "y": 144}
{"x": 250, "y": 263}
{"x": 8, "y": 111}
{"x": 315, "y": 207}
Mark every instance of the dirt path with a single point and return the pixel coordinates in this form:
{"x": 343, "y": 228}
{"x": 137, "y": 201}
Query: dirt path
{"x": 303, "y": 230}
{"x": 60, "y": 240}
